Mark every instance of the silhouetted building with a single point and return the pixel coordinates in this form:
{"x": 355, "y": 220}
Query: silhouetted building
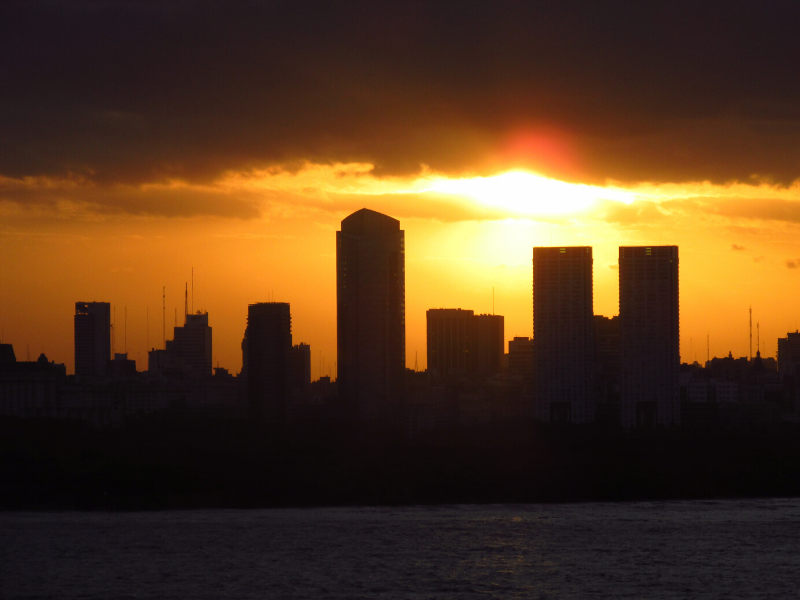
{"x": 606, "y": 369}
{"x": 649, "y": 335}
{"x": 268, "y": 346}
{"x": 563, "y": 333}
{"x": 370, "y": 304}
{"x": 463, "y": 344}
{"x": 92, "y": 338}
{"x": 301, "y": 368}
{"x": 520, "y": 358}
{"x": 449, "y": 341}
{"x": 121, "y": 368}
{"x": 789, "y": 354}
{"x": 727, "y": 368}
{"x": 488, "y": 337}
{"x": 190, "y": 349}
{"x": 29, "y": 388}
{"x": 158, "y": 362}
{"x": 7, "y": 353}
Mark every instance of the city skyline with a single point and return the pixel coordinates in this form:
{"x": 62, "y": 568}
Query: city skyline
{"x": 323, "y": 361}
{"x": 521, "y": 127}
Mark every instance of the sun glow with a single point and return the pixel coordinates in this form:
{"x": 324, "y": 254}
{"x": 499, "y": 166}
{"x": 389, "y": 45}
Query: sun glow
{"x": 527, "y": 193}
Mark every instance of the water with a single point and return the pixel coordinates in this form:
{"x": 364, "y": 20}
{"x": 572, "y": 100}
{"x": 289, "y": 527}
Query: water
{"x": 724, "y": 549}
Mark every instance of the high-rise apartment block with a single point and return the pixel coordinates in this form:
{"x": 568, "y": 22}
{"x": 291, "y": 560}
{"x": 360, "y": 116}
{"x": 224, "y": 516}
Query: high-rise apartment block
{"x": 563, "y": 333}
{"x": 370, "y": 303}
{"x": 92, "y": 338}
{"x": 649, "y": 335}
{"x": 268, "y": 344}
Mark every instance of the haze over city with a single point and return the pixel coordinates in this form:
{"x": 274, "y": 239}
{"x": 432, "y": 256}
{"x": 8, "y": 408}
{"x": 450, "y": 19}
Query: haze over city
{"x": 233, "y": 141}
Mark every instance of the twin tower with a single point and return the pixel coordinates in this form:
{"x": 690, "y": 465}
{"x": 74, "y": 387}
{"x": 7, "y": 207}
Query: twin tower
{"x": 565, "y": 362}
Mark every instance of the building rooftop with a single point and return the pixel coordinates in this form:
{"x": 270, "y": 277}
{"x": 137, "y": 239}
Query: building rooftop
{"x": 369, "y": 222}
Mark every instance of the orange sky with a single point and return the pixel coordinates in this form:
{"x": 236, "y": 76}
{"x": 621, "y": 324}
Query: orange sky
{"x": 141, "y": 139}
{"x": 738, "y": 246}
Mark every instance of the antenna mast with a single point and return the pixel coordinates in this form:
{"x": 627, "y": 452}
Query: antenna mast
{"x": 186, "y": 302}
{"x": 192, "y": 290}
{"x": 164, "y": 315}
{"x": 147, "y": 328}
{"x": 708, "y": 347}
{"x": 751, "y": 332}
{"x": 758, "y": 338}
{"x": 125, "y": 334}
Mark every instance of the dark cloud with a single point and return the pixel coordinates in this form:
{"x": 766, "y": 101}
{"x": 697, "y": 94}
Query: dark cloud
{"x": 128, "y": 200}
{"x": 142, "y": 91}
{"x": 737, "y": 247}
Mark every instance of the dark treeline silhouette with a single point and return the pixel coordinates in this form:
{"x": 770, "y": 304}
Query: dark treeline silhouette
{"x": 170, "y": 461}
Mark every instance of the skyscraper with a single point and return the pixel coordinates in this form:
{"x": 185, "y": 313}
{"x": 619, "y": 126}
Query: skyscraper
{"x": 190, "y": 350}
{"x": 92, "y": 338}
{"x": 563, "y": 334}
{"x": 486, "y": 349}
{"x": 448, "y": 341}
{"x": 301, "y": 368}
{"x": 370, "y": 304}
{"x": 268, "y": 343}
{"x": 649, "y": 335}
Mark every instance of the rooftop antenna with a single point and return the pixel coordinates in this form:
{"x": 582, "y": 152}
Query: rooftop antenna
{"x": 691, "y": 351}
{"x": 492, "y": 304}
{"x": 758, "y": 338}
{"x": 176, "y": 316}
{"x": 186, "y": 302}
{"x": 416, "y": 364}
{"x": 147, "y": 331}
{"x": 708, "y": 347}
{"x": 751, "y": 332}
{"x": 164, "y": 315}
{"x": 125, "y": 333}
{"x": 192, "y": 290}
{"x": 114, "y": 332}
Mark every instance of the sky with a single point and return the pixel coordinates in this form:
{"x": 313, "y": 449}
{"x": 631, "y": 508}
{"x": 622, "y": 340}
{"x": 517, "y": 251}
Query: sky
{"x": 142, "y": 141}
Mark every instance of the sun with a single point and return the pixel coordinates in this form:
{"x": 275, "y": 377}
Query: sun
{"x": 530, "y": 194}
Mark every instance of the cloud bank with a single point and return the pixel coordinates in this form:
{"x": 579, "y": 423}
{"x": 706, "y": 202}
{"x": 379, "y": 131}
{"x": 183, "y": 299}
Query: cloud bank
{"x": 133, "y": 93}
